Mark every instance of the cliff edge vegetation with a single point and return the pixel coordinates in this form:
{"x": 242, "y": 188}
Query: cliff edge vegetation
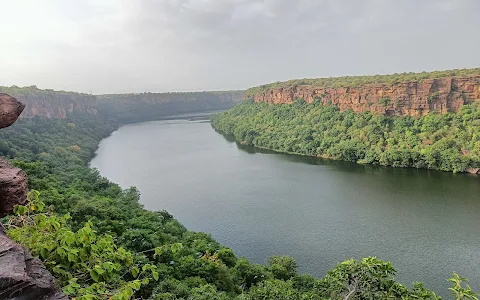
{"x": 421, "y": 120}
{"x": 406, "y": 94}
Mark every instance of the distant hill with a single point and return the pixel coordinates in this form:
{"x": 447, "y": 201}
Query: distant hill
{"x": 125, "y": 108}
{"x": 128, "y": 108}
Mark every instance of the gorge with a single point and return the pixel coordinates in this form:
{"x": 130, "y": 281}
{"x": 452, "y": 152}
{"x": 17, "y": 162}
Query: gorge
{"x": 318, "y": 211}
{"x": 123, "y": 108}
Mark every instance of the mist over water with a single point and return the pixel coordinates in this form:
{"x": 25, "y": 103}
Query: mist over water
{"x": 319, "y": 212}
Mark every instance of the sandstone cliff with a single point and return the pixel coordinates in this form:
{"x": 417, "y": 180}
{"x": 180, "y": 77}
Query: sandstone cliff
{"x": 411, "y": 98}
{"x": 50, "y": 103}
{"x": 123, "y": 107}
{"x": 21, "y": 275}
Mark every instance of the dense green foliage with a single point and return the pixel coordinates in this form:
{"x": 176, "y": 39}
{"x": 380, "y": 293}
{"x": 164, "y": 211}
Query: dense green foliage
{"x": 449, "y": 142}
{"x": 86, "y": 265}
{"x": 353, "y": 81}
{"x": 100, "y": 243}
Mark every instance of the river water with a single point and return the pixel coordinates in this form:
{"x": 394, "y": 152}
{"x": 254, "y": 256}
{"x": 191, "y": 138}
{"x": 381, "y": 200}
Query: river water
{"x": 319, "y": 212}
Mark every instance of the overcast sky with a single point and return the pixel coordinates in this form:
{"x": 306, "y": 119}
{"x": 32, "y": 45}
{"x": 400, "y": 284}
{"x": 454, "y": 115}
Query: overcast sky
{"x": 117, "y": 46}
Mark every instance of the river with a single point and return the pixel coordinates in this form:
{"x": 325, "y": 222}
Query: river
{"x": 319, "y": 212}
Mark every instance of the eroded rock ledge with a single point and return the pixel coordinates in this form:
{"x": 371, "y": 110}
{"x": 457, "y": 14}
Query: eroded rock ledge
{"x": 22, "y": 277}
{"x": 413, "y": 98}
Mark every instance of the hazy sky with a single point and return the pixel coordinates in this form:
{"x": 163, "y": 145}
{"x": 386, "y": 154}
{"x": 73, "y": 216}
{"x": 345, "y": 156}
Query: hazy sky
{"x": 184, "y": 45}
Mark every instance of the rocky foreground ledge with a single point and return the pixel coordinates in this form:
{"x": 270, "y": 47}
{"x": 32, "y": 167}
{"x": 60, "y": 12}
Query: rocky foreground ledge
{"x": 22, "y": 277}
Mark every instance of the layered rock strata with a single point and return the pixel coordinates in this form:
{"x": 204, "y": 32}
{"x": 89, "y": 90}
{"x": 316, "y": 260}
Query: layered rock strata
{"x": 413, "y": 98}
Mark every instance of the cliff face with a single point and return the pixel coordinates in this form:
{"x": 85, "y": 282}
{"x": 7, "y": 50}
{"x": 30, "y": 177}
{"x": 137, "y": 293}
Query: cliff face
{"x": 125, "y": 107}
{"x": 407, "y": 98}
{"x": 10, "y": 111}
{"x": 13, "y": 187}
{"x": 57, "y": 108}
{"x": 50, "y": 103}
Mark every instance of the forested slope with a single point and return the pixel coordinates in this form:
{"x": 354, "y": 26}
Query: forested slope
{"x": 448, "y": 142}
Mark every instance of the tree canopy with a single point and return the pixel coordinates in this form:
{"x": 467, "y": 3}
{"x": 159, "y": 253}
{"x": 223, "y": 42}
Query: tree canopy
{"x": 448, "y": 142}
{"x": 355, "y": 81}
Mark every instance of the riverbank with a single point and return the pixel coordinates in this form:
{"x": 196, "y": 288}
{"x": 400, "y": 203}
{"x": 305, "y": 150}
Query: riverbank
{"x": 446, "y": 142}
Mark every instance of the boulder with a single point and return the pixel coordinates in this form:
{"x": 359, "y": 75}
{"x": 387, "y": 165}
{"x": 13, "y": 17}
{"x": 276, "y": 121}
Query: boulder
{"x": 13, "y": 187}
{"x": 23, "y": 277}
{"x": 473, "y": 170}
{"x": 10, "y": 109}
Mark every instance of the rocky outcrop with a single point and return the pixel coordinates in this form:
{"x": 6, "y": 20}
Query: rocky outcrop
{"x": 13, "y": 187}
{"x": 10, "y": 110}
{"x": 22, "y": 276}
{"x": 473, "y": 171}
{"x": 406, "y": 98}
